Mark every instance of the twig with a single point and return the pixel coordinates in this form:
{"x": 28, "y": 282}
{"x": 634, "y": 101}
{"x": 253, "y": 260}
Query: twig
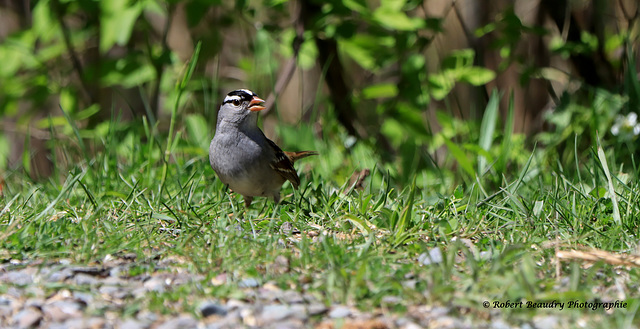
{"x": 596, "y": 255}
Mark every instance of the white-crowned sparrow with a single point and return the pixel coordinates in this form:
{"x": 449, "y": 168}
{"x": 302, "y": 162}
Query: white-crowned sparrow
{"x": 243, "y": 157}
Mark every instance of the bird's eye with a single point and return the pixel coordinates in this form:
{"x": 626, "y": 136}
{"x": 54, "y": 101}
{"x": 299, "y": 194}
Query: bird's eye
{"x": 235, "y": 102}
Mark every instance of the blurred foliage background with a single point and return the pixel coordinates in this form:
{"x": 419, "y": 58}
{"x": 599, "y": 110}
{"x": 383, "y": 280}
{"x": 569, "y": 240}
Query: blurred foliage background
{"x": 468, "y": 86}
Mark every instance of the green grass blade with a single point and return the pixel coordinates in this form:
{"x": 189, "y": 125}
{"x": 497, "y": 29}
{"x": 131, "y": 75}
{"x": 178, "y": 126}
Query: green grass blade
{"x": 180, "y": 87}
{"x": 487, "y": 128}
{"x": 501, "y": 162}
{"x": 461, "y": 157}
{"x": 612, "y": 191}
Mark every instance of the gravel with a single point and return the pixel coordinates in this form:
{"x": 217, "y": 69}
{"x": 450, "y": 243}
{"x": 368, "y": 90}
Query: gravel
{"x": 65, "y": 295}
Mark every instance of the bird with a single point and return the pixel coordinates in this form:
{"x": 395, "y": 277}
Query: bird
{"x": 244, "y": 159}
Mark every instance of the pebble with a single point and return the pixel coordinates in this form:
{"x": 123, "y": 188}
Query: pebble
{"x": 248, "y": 283}
{"x": 499, "y": 324}
{"x": 316, "y": 309}
{"x": 62, "y": 295}
{"x": 156, "y": 284}
{"x": 82, "y": 279}
{"x": 20, "y": 278}
{"x": 184, "y": 321}
{"x": 27, "y": 318}
{"x": 133, "y": 324}
{"x": 545, "y": 322}
{"x": 339, "y": 312}
{"x": 433, "y": 257}
{"x": 272, "y": 313}
{"x": 62, "y": 310}
{"x": 210, "y": 308}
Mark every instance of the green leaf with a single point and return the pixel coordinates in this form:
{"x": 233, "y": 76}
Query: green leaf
{"x": 365, "y": 49}
{"x": 382, "y": 90}
{"x": 395, "y": 5}
{"x": 401, "y": 227}
{"x": 197, "y": 130}
{"x": 358, "y": 223}
{"x": 411, "y": 118}
{"x": 396, "y": 20}
{"x": 459, "y": 155}
{"x": 507, "y": 139}
{"x": 477, "y": 76}
{"x": 117, "y": 21}
{"x": 487, "y": 128}
{"x": 612, "y": 191}
{"x": 88, "y": 112}
{"x": 45, "y": 26}
{"x": 358, "y": 6}
{"x": 440, "y": 85}
{"x": 394, "y": 130}
{"x": 5, "y": 151}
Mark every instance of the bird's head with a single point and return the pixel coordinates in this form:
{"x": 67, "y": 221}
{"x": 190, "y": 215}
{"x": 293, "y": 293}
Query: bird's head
{"x": 239, "y": 105}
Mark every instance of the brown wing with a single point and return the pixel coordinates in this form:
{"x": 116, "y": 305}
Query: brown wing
{"x": 283, "y": 165}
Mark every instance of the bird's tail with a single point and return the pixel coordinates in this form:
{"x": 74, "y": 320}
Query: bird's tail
{"x": 295, "y": 156}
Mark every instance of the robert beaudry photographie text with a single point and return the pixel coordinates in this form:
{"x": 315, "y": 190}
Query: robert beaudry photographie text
{"x": 556, "y": 304}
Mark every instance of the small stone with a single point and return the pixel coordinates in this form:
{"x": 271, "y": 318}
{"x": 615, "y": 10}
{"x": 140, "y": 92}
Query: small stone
{"x": 406, "y": 323}
{"x": 316, "y": 309}
{"x": 147, "y": 316}
{"x": 83, "y": 297}
{"x": 233, "y": 304}
{"x": 210, "y": 308}
{"x": 286, "y": 324}
{"x": 286, "y": 228}
{"x": 545, "y": 322}
{"x": 391, "y": 300}
{"x": 433, "y": 257}
{"x": 410, "y": 325}
{"x": 15, "y": 292}
{"x": 133, "y": 324}
{"x": 248, "y": 318}
{"x": 339, "y": 312}
{"x": 27, "y": 318}
{"x": 108, "y": 290}
{"x": 280, "y": 265}
{"x": 60, "y": 276}
{"x": 94, "y": 323}
{"x": 299, "y": 311}
{"x": 184, "y": 321}
{"x": 446, "y": 322}
{"x": 82, "y": 279}
{"x": 5, "y": 312}
{"x": 499, "y": 324}
{"x": 5, "y": 301}
{"x": 485, "y": 255}
{"x": 62, "y": 310}
{"x": 35, "y": 291}
{"x": 115, "y": 271}
{"x": 272, "y": 313}
{"x": 292, "y": 297}
{"x": 80, "y": 323}
{"x": 156, "y": 284}
{"x": 34, "y": 302}
{"x": 20, "y": 278}
{"x": 248, "y": 283}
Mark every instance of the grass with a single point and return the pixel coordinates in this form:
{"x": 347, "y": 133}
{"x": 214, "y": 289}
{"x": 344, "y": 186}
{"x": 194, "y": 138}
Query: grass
{"x": 498, "y": 244}
{"x": 129, "y": 189}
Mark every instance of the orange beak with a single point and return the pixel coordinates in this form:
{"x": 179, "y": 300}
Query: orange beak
{"x": 256, "y": 104}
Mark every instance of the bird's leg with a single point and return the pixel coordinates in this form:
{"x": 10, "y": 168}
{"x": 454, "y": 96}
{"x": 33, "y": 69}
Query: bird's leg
{"x": 247, "y": 201}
